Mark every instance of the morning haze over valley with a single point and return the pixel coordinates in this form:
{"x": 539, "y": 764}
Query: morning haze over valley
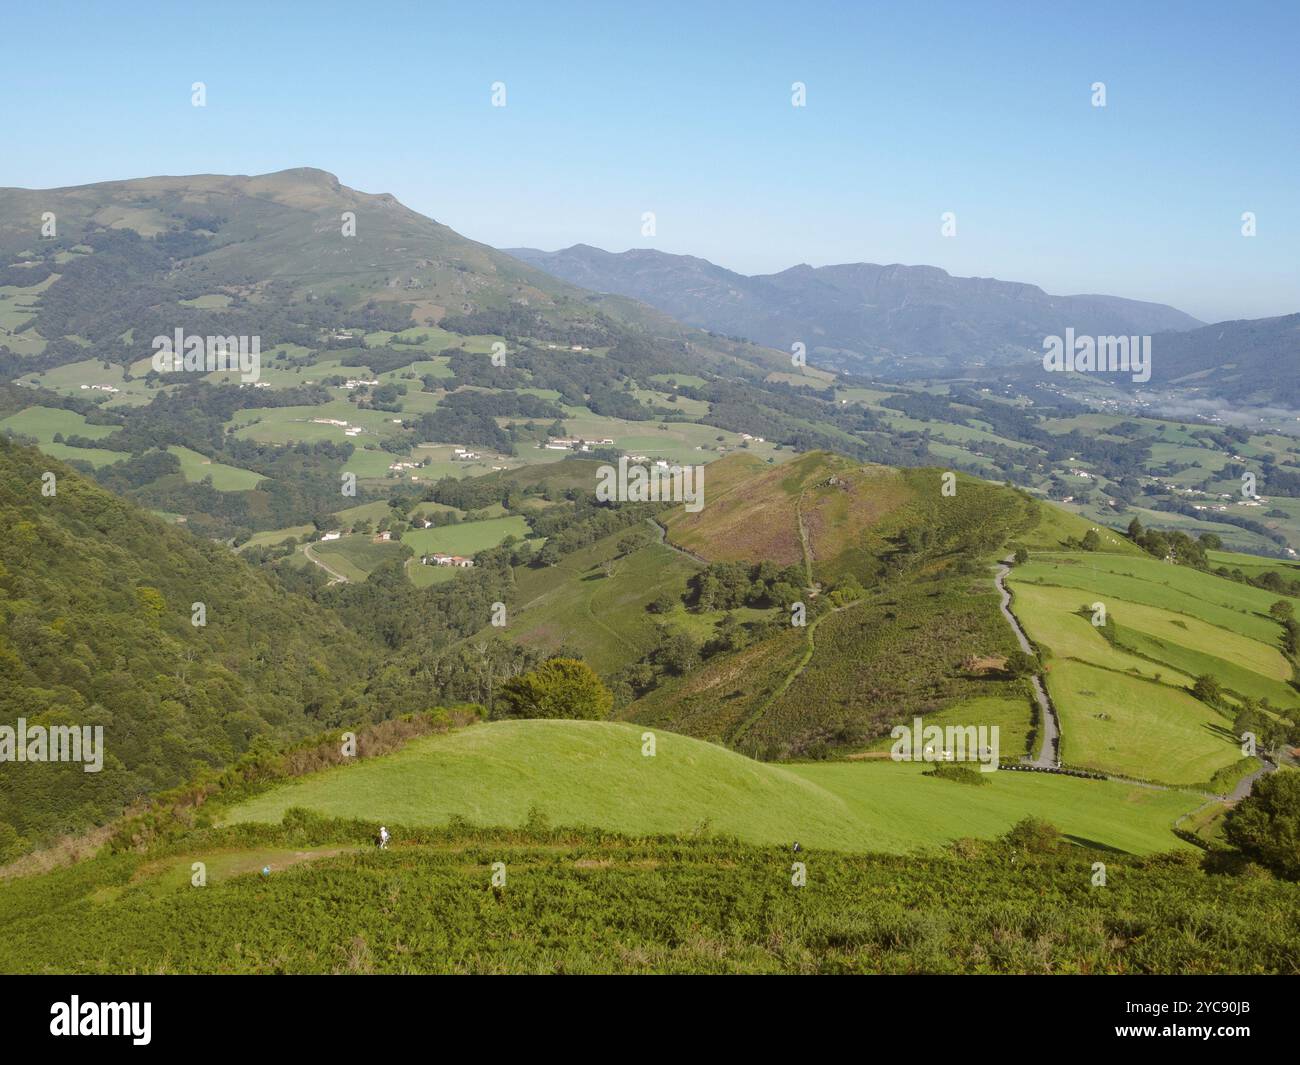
{"x": 691, "y": 490}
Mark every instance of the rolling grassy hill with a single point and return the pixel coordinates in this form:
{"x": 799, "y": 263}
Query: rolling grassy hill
{"x": 594, "y": 775}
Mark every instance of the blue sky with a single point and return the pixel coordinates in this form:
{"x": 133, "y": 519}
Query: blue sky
{"x": 913, "y": 110}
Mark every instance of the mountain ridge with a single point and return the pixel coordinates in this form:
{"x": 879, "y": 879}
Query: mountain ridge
{"x": 857, "y": 315}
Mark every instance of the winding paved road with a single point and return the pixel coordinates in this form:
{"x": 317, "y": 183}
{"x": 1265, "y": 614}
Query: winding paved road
{"x": 337, "y": 578}
{"x": 1048, "y": 755}
{"x": 1245, "y": 784}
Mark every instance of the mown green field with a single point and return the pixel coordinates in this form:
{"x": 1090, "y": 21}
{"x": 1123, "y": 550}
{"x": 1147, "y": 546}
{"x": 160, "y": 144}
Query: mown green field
{"x": 225, "y": 478}
{"x": 1253, "y": 565}
{"x": 1116, "y": 723}
{"x": 423, "y": 576}
{"x": 1153, "y": 643}
{"x": 467, "y": 538}
{"x": 1049, "y": 615}
{"x": 593, "y": 774}
{"x": 356, "y": 557}
{"x": 42, "y": 423}
{"x": 1011, "y": 715}
{"x": 1225, "y": 604}
{"x": 287, "y": 425}
{"x": 1125, "y": 704}
{"x": 68, "y": 379}
{"x": 276, "y": 536}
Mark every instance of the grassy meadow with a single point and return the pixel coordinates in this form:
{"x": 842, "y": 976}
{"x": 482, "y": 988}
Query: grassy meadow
{"x": 594, "y": 775}
{"x": 1125, "y": 703}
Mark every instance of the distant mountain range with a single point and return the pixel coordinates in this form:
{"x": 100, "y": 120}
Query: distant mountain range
{"x": 862, "y": 317}
{"x": 267, "y": 255}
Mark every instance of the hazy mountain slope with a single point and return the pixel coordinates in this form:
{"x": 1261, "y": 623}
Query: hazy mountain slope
{"x": 1254, "y": 361}
{"x": 893, "y": 318}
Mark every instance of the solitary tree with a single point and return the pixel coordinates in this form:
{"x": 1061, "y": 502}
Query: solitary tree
{"x": 1034, "y": 836}
{"x": 558, "y": 688}
{"x": 1208, "y": 689}
{"x": 1021, "y": 664}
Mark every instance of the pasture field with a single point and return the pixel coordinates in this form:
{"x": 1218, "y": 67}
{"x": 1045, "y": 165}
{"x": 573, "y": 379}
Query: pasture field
{"x": 467, "y": 539}
{"x": 276, "y": 536}
{"x": 1246, "y": 667}
{"x": 1232, "y": 535}
{"x": 1219, "y": 602}
{"x": 1153, "y": 643}
{"x": 288, "y": 425}
{"x": 594, "y": 774}
{"x": 1253, "y": 565}
{"x": 683, "y": 442}
{"x": 224, "y": 478}
{"x": 441, "y": 463}
{"x": 1126, "y": 706}
{"x": 42, "y": 423}
{"x": 423, "y": 576}
{"x": 1011, "y": 714}
{"x": 695, "y": 408}
{"x": 1049, "y": 617}
{"x": 18, "y": 306}
{"x": 356, "y": 557}
{"x": 1115, "y": 723}
{"x": 961, "y": 434}
{"x": 955, "y": 453}
{"x": 868, "y": 397}
{"x": 1056, "y": 525}
{"x": 208, "y": 301}
{"x": 68, "y": 379}
{"x": 684, "y": 379}
{"x": 370, "y": 462}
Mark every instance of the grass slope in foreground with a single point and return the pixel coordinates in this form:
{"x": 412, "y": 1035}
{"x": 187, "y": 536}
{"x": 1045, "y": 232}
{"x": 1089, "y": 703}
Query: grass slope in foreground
{"x": 593, "y": 774}
{"x": 576, "y": 904}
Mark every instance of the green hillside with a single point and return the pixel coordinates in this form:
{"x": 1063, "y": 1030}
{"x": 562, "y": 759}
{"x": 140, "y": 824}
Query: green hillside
{"x": 593, "y": 775}
{"x": 566, "y": 902}
{"x": 96, "y": 609}
{"x": 595, "y": 601}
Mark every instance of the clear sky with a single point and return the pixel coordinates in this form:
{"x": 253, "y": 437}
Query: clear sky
{"x": 684, "y": 109}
